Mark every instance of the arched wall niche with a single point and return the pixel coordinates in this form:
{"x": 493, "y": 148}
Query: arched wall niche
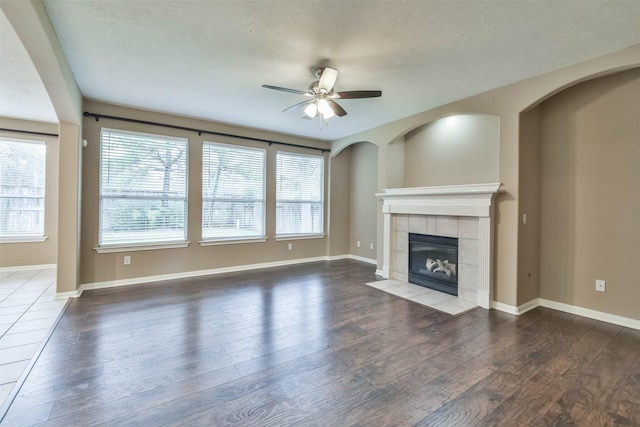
{"x": 453, "y": 150}
{"x": 353, "y": 205}
{"x": 578, "y": 175}
{"x": 543, "y": 97}
{"x": 337, "y": 149}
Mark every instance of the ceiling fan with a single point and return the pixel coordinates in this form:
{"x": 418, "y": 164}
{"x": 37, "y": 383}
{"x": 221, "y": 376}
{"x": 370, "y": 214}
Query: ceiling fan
{"x": 322, "y": 95}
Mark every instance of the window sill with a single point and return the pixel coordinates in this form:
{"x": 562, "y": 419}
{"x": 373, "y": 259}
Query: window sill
{"x": 23, "y": 239}
{"x": 299, "y": 237}
{"x": 144, "y": 247}
{"x": 232, "y": 241}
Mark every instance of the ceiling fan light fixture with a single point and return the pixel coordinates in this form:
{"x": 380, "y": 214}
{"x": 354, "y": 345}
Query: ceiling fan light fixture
{"x": 325, "y": 109}
{"x": 311, "y": 110}
{"x": 327, "y": 115}
{"x": 323, "y": 95}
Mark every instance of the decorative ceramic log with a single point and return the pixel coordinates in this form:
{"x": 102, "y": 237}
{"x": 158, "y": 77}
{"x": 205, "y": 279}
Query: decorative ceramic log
{"x": 442, "y": 267}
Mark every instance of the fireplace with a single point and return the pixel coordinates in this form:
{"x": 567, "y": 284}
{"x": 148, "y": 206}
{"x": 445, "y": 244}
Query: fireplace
{"x": 464, "y": 212}
{"x": 433, "y": 262}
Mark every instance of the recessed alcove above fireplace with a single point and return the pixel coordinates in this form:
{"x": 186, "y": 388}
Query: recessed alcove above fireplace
{"x": 462, "y": 212}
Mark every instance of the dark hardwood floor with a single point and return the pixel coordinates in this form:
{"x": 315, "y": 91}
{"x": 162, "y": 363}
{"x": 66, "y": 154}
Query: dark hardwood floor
{"x": 311, "y": 345}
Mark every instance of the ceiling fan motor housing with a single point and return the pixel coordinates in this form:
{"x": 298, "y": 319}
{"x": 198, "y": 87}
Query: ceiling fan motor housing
{"x": 317, "y": 71}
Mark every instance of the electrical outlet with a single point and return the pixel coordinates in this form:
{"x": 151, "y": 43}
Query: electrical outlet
{"x": 524, "y": 218}
{"x": 290, "y": 246}
{"x": 600, "y": 285}
{"x": 127, "y": 260}
{"x": 370, "y": 245}
{"x": 358, "y": 243}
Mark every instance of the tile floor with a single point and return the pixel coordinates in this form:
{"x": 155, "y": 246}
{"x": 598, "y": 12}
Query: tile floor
{"x": 434, "y": 299}
{"x": 27, "y": 312}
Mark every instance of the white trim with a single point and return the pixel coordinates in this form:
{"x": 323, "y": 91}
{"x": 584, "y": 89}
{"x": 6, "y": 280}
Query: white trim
{"x": 23, "y": 239}
{"x": 67, "y": 295}
{"x": 379, "y": 272}
{"x": 187, "y": 274}
{"x": 591, "y": 314}
{"x": 488, "y": 189}
{"x": 504, "y": 307}
{"x": 483, "y": 297}
{"x": 363, "y": 259}
{"x": 143, "y": 247}
{"x": 527, "y": 306}
{"x": 232, "y": 241}
{"x": 27, "y": 267}
{"x": 521, "y": 309}
{"x": 298, "y": 237}
{"x": 567, "y": 308}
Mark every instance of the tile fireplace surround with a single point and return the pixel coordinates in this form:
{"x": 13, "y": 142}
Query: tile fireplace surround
{"x": 461, "y": 211}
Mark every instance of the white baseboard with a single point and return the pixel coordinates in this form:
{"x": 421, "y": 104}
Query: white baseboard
{"x": 567, "y": 308}
{"x": 379, "y": 272}
{"x": 66, "y": 295}
{"x": 351, "y": 256}
{"x": 363, "y": 259}
{"x": 26, "y": 267}
{"x": 591, "y": 314}
{"x": 187, "y": 274}
{"x": 504, "y": 307}
{"x": 337, "y": 257}
{"x": 511, "y": 309}
{"x": 529, "y": 305}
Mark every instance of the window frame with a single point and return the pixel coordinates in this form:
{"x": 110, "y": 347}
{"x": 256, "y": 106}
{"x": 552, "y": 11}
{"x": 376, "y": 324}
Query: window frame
{"x": 143, "y": 245}
{"x": 303, "y": 235}
{"x": 211, "y": 241}
{"x": 33, "y": 237}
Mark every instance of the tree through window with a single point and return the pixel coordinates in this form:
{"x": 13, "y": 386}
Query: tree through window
{"x": 299, "y": 194}
{"x": 233, "y": 188}
{"x": 22, "y": 189}
{"x": 143, "y": 188}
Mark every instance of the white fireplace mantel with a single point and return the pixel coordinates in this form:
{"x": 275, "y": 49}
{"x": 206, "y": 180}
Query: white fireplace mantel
{"x": 452, "y": 200}
{"x": 474, "y": 200}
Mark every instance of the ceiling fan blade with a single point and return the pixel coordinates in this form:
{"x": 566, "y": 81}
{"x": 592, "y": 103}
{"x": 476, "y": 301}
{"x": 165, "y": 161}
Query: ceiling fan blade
{"x": 284, "y": 89}
{"x": 299, "y": 104}
{"x": 353, "y": 94}
{"x": 328, "y": 79}
{"x": 337, "y": 109}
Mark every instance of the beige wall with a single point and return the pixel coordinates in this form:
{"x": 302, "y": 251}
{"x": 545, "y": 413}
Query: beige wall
{"x": 37, "y": 253}
{"x": 454, "y": 150}
{"x": 591, "y": 195}
{"x": 106, "y": 267}
{"x": 529, "y": 233}
{"x": 339, "y": 203}
{"x": 363, "y": 202}
{"x": 506, "y": 103}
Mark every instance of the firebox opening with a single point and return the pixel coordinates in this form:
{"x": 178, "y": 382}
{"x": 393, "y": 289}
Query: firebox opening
{"x": 433, "y": 262}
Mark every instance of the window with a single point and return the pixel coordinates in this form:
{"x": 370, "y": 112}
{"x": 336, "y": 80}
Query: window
{"x": 143, "y": 189}
{"x": 299, "y": 194}
{"x": 22, "y": 189}
{"x": 233, "y": 188}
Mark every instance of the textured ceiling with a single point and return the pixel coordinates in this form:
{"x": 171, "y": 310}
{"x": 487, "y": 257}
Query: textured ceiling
{"x": 208, "y": 59}
{"x": 22, "y": 93}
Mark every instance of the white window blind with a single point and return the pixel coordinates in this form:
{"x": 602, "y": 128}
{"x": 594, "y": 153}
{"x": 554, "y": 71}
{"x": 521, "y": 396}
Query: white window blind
{"x": 22, "y": 188}
{"x": 299, "y": 194}
{"x": 233, "y": 189}
{"x": 143, "y": 188}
